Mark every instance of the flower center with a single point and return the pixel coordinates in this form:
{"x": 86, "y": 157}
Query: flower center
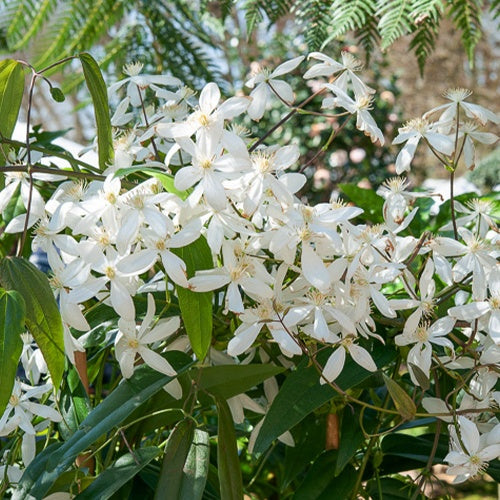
{"x": 133, "y": 343}
{"x": 110, "y": 272}
{"x": 14, "y": 400}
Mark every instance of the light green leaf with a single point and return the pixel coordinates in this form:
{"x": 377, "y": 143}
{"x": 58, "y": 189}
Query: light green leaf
{"x": 43, "y": 318}
{"x": 114, "y": 477}
{"x": 11, "y": 94}
{"x": 196, "y": 308}
{"x": 176, "y": 452}
{"x": 12, "y": 318}
{"x": 231, "y": 484}
{"x": 128, "y": 396}
{"x": 196, "y": 467}
{"x": 226, "y": 381}
{"x": 402, "y": 401}
{"x": 99, "y": 94}
{"x": 366, "y": 199}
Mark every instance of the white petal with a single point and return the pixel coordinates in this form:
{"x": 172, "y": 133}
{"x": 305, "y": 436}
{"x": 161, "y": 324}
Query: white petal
{"x": 155, "y": 361}
{"x": 334, "y": 365}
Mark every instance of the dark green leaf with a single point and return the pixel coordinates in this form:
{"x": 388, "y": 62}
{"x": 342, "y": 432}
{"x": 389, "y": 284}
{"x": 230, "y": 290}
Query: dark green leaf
{"x": 128, "y": 396}
{"x": 227, "y": 381}
{"x": 402, "y": 401}
{"x": 99, "y": 94}
{"x": 231, "y": 485}
{"x": 43, "y": 318}
{"x": 321, "y": 483}
{"x": 119, "y": 473}
{"x": 11, "y": 94}
{"x": 57, "y": 94}
{"x": 309, "y": 437}
{"x": 196, "y": 308}
{"x": 391, "y": 489}
{"x": 302, "y": 393}
{"x": 176, "y": 452}
{"x": 12, "y": 318}
{"x": 367, "y": 199}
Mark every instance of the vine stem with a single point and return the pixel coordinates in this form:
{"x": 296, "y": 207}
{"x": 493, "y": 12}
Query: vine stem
{"x": 294, "y": 110}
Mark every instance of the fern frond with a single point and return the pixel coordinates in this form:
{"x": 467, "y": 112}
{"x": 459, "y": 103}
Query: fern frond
{"x": 466, "y": 15}
{"x": 368, "y": 36}
{"x": 426, "y": 15}
{"x": 253, "y": 14}
{"x": 349, "y": 16}
{"x": 395, "y": 20}
{"x": 315, "y": 16}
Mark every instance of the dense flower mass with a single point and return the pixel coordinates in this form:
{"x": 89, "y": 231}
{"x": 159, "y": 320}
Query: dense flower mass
{"x": 303, "y": 277}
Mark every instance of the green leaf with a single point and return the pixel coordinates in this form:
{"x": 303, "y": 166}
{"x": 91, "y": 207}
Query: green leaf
{"x": 309, "y": 439}
{"x": 367, "y": 199}
{"x": 301, "y": 394}
{"x": 120, "y": 472}
{"x": 74, "y": 404}
{"x": 99, "y": 94}
{"x": 402, "y": 401}
{"x": 57, "y": 94}
{"x": 168, "y": 183}
{"x": 43, "y": 318}
{"x": 128, "y": 396}
{"x": 196, "y": 308}
{"x": 185, "y": 463}
{"x": 11, "y": 94}
{"x": 321, "y": 483}
{"x": 231, "y": 484}
{"x": 12, "y": 318}
{"x": 196, "y": 467}
{"x": 176, "y": 452}
{"x": 226, "y": 381}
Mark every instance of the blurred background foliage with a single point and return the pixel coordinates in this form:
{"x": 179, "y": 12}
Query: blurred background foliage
{"x": 452, "y": 43}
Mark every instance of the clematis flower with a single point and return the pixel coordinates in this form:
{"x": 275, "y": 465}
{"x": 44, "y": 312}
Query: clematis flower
{"x": 20, "y": 412}
{"x": 471, "y": 459}
{"x": 133, "y": 340}
{"x": 264, "y": 84}
{"x": 359, "y": 106}
{"x": 347, "y": 69}
{"x": 335, "y": 364}
{"x": 457, "y": 96}
{"x": 411, "y": 133}
{"x": 136, "y": 82}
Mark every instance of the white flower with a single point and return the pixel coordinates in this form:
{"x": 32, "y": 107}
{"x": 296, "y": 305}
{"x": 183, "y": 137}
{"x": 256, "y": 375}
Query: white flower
{"x": 20, "y": 412}
{"x": 411, "y": 133}
{"x": 335, "y": 364}
{"x": 347, "y": 69}
{"x": 471, "y": 459}
{"x": 137, "y": 82}
{"x": 359, "y": 106}
{"x": 264, "y": 84}
{"x": 133, "y": 340}
{"x": 457, "y": 97}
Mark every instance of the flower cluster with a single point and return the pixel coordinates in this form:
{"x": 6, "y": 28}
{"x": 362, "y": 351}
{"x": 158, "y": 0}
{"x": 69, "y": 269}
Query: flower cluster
{"x": 292, "y": 274}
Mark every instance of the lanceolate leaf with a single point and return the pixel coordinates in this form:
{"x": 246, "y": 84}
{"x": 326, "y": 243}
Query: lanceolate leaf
{"x": 42, "y": 314}
{"x": 12, "y": 317}
{"x": 402, "y": 401}
{"x": 196, "y": 467}
{"x": 128, "y": 396}
{"x": 196, "y": 308}
{"x": 99, "y": 94}
{"x": 231, "y": 484}
{"x": 227, "y": 381}
{"x": 115, "y": 476}
{"x": 11, "y": 94}
{"x": 176, "y": 452}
